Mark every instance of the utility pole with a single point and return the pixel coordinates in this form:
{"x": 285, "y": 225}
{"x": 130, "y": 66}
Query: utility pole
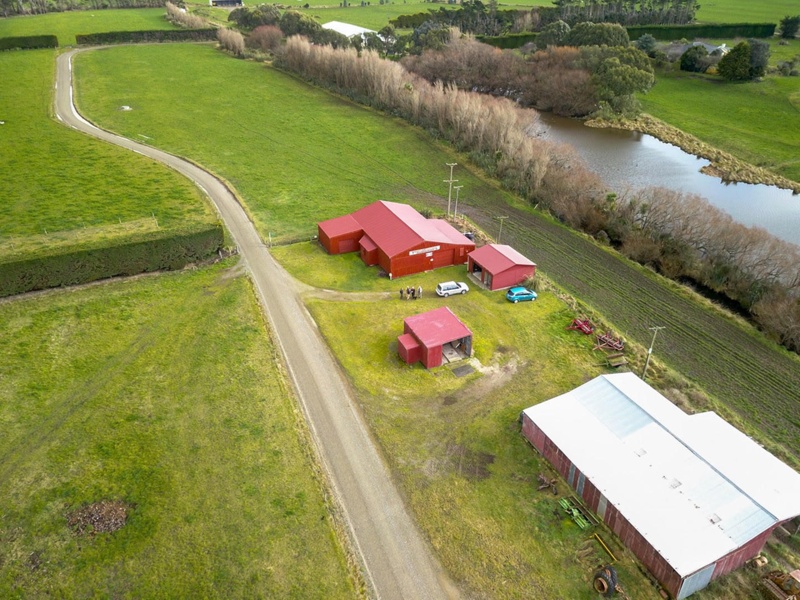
{"x": 655, "y": 331}
{"x": 501, "y": 219}
{"x": 450, "y": 181}
{"x": 455, "y": 209}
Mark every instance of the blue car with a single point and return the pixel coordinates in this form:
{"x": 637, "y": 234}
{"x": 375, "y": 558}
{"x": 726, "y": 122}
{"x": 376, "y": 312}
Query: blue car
{"x": 520, "y": 294}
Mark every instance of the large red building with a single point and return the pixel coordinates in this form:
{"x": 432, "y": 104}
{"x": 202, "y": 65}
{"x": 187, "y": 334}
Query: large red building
{"x": 690, "y": 495}
{"x": 498, "y": 266}
{"x": 426, "y": 335}
{"x": 395, "y": 237}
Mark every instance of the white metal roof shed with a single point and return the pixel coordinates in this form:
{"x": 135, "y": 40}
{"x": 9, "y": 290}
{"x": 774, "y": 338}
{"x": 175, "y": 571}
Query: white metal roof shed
{"x": 346, "y": 28}
{"x": 692, "y": 485}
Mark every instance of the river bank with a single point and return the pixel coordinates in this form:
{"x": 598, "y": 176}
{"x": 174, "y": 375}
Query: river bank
{"x": 723, "y": 165}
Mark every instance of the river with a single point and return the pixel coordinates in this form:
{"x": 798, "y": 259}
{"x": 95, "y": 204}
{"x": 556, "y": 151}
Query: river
{"x": 627, "y": 159}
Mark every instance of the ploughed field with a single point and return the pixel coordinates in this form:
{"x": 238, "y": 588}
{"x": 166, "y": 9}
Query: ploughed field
{"x": 757, "y": 380}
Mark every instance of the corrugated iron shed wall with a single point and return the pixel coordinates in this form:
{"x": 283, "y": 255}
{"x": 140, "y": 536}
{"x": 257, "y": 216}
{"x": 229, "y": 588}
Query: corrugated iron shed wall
{"x": 649, "y": 472}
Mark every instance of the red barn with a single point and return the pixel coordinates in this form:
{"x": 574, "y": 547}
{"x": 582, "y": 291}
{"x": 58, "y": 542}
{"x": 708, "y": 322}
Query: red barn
{"x": 690, "y": 495}
{"x": 498, "y": 266}
{"x": 430, "y": 337}
{"x": 397, "y": 238}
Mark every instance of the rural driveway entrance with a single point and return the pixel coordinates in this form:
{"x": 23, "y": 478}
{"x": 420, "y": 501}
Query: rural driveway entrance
{"x": 396, "y": 560}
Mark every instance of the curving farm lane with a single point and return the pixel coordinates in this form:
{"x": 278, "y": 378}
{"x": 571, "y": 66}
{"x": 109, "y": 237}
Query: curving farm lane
{"x": 396, "y": 560}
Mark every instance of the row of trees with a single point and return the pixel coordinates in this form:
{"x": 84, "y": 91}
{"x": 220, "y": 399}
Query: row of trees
{"x": 682, "y": 236}
{"x": 629, "y": 12}
{"x": 569, "y": 81}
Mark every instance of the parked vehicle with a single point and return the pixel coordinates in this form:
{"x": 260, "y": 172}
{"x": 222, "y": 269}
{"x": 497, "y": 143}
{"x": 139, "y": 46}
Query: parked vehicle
{"x": 520, "y": 294}
{"x": 448, "y": 288}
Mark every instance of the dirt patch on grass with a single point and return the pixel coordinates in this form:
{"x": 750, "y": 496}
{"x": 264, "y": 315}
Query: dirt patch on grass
{"x": 104, "y": 516}
{"x": 468, "y": 463}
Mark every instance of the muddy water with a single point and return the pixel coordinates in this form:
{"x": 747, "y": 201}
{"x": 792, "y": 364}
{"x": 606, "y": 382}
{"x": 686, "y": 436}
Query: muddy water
{"x": 626, "y": 159}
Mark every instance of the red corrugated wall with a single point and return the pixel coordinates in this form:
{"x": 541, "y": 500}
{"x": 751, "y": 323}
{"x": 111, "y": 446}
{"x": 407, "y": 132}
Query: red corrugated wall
{"x": 512, "y": 276}
{"x": 629, "y": 536}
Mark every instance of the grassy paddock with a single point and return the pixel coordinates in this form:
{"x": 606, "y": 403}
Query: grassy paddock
{"x": 455, "y": 443}
{"x": 348, "y": 157}
{"x": 63, "y": 187}
{"x": 745, "y": 11}
{"x": 65, "y": 25}
{"x": 164, "y": 393}
{"x": 755, "y": 121}
{"x": 351, "y": 156}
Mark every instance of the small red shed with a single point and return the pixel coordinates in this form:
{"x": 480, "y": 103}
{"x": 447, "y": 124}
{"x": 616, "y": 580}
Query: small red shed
{"x": 498, "y": 266}
{"x": 397, "y": 238}
{"x": 434, "y": 336}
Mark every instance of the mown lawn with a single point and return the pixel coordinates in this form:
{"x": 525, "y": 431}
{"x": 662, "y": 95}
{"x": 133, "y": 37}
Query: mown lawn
{"x": 61, "y": 186}
{"x": 162, "y": 393}
{"x": 756, "y": 121}
{"x": 65, "y": 25}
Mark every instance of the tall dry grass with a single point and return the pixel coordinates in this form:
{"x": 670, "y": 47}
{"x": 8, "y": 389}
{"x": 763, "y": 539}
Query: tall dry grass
{"x": 232, "y": 41}
{"x": 184, "y": 19}
{"x": 493, "y": 130}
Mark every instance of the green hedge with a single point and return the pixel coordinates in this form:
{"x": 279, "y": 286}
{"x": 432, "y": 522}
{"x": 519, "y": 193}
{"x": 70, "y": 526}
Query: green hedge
{"x": 169, "y": 252}
{"x": 137, "y": 37}
{"x": 714, "y": 31}
{"x": 29, "y": 41}
{"x": 514, "y": 40}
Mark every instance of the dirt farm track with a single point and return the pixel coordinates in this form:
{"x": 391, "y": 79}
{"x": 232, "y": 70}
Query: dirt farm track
{"x": 756, "y": 379}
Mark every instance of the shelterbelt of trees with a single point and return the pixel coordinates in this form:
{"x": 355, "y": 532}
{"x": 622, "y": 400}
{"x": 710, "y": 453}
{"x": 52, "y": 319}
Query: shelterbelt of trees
{"x": 678, "y": 234}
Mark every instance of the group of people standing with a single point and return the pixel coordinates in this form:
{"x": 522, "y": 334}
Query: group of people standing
{"x": 411, "y": 293}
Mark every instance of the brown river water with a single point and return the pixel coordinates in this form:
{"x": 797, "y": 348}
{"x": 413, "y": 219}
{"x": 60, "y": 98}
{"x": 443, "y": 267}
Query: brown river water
{"x": 631, "y": 160}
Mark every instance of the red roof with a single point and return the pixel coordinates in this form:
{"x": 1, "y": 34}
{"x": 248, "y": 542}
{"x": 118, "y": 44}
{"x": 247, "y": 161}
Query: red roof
{"x": 340, "y": 226}
{"x": 367, "y": 243}
{"x": 437, "y": 327}
{"x": 396, "y": 227}
{"x": 496, "y": 258}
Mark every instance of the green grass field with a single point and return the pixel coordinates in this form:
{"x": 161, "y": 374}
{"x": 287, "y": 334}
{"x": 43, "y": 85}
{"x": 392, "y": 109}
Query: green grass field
{"x": 65, "y": 25}
{"x": 350, "y": 156}
{"x": 756, "y": 121}
{"x": 455, "y": 442}
{"x": 298, "y": 155}
{"x": 468, "y": 474}
{"x": 163, "y": 393}
{"x": 745, "y": 11}
{"x": 62, "y": 187}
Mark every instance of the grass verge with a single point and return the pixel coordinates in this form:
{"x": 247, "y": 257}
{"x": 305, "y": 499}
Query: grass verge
{"x": 164, "y": 394}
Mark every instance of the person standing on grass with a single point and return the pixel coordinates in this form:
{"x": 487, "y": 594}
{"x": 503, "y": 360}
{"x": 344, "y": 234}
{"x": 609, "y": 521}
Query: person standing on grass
{"x": 401, "y": 293}
{"x": 419, "y": 292}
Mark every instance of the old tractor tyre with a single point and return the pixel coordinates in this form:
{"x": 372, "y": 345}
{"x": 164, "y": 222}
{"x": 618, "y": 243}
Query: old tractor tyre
{"x": 605, "y": 581}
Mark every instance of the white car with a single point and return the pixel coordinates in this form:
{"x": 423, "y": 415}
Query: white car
{"x": 448, "y": 288}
